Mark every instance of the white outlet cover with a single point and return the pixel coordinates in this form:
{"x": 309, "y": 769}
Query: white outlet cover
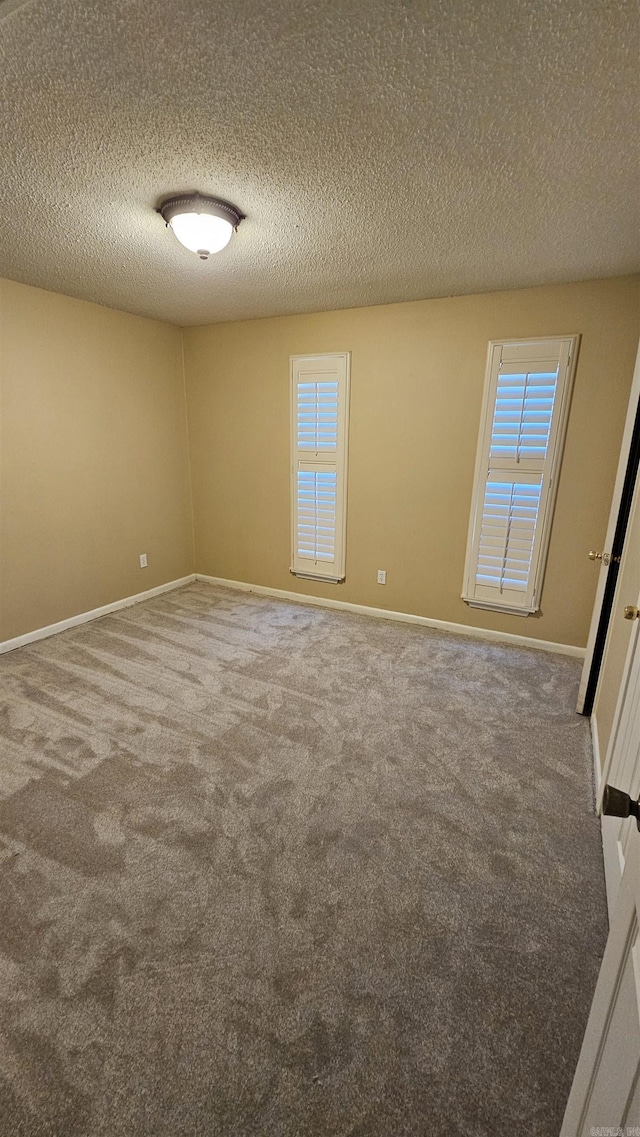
{"x": 382, "y": 576}
{"x": 143, "y": 560}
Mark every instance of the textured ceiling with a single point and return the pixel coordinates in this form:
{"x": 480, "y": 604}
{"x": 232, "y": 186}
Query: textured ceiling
{"x": 382, "y": 150}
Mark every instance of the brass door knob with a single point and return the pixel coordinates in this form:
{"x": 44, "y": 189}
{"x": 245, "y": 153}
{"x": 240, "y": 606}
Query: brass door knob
{"x": 631, "y": 612}
{"x": 606, "y": 558}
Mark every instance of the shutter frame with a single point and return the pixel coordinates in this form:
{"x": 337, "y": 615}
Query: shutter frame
{"x": 534, "y": 356}
{"x": 319, "y": 446}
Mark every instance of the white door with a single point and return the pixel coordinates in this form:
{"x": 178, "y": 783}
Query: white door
{"x": 612, "y": 722}
{"x": 605, "y": 1096}
{"x": 604, "y": 554}
{"x": 622, "y": 768}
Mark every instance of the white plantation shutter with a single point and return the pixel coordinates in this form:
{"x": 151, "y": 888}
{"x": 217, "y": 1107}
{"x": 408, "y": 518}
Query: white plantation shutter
{"x": 523, "y": 412}
{"x": 526, "y": 403}
{"x": 508, "y": 522}
{"x": 317, "y": 413}
{"x": 319, "y": 420}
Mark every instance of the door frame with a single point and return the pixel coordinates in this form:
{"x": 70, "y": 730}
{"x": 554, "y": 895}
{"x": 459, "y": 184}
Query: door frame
{"x": 628, "y": 465}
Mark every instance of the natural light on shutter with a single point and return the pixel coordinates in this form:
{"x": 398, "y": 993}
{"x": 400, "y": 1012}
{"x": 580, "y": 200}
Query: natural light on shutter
{"x": 317, "y": 514}
{"x": 319, "y": 412}
{"x": 524, "y": 418}
{"x": 507, "y": 534}
{"x": 522, "y": 415}
{"x": 317, "y": 416}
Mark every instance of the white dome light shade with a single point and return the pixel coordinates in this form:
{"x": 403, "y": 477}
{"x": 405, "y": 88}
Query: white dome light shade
{"x": 201, "y": 232}
{"x": 204, "y": 225}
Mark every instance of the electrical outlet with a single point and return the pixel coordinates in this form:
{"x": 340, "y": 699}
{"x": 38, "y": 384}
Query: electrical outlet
{"x": 382, "y": 576}
{"x": 143, "y": 560}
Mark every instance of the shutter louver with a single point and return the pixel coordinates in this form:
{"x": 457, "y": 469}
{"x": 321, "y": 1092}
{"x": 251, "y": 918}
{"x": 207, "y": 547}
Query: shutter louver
{"x": 317, "y": 413}
{"x": 507, "y": 534}
{"x": 319, "y": 409}
{"x": 524, "y": 415}
{"x": 316, "y": 506}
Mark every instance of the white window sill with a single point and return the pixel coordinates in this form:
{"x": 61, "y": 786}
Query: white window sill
{"x": 497, "y": 607}
{"x": 317, "y": 576}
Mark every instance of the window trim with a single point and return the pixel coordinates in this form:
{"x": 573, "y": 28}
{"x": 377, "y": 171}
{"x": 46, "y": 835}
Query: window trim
{"x": 339, "y": 458}
{"x": 549, "y": 467}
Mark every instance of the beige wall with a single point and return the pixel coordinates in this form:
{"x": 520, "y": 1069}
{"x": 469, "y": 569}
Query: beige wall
{"x": 417, "y": 380}
{"x": 94, "y": 459}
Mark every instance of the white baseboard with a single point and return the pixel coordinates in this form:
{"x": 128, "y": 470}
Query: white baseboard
{"x": 84, "y": 617}
{"x": 609, "y": 826}
{"x": 595, "y": 743}
{"x": 302, "y": 598}
{"x": 609, "y": 831}
{"x": 404, "y": 617}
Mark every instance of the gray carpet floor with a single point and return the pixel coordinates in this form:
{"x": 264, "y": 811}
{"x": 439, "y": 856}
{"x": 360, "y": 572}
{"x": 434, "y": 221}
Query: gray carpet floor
{"x": 273, "y": 869}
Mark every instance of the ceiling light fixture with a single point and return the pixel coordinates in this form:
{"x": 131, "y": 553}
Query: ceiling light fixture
{"x": 204, "y": 225}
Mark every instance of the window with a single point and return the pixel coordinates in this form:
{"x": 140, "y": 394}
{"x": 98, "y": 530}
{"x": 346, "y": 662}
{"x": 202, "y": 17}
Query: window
{"x": 319, "y": 421}
{"x": 524, "y": 417}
